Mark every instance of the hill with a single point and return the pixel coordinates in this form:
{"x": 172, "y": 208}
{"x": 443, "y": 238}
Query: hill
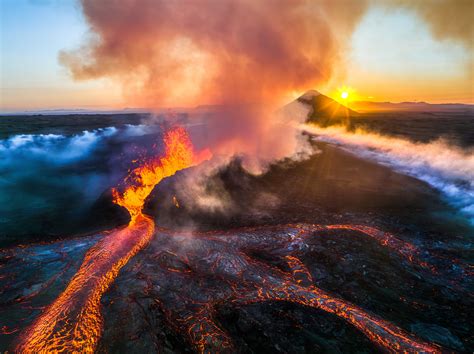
{"x": 326, "y": 111}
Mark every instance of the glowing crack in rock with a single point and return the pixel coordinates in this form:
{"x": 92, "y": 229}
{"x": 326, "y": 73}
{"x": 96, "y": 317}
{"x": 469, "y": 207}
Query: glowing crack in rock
{"x": 223, "y": 257}
{"x": 232, "y": 276}
{"x": 73, "y": 322}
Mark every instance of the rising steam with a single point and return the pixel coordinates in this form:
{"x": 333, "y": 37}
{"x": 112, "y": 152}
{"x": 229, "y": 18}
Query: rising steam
{"x": 445, "y": 167}
{"x": 246, "y": 56}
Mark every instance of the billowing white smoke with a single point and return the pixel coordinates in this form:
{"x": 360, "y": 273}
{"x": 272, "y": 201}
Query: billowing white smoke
{"x": 53, "y": 148}
{"x": 50, "y": 179}
{"x": 201, "y": 192}
{"x": 445, "y": 167}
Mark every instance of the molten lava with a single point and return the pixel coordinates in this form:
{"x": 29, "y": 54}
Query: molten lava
{"x": 73, "y": 322}
{"x": 140, "y": 182}
{"x": 191, "y": 275}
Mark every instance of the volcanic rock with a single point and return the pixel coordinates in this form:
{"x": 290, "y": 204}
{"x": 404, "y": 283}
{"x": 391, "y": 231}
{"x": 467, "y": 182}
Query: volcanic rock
{"x": 437, "y": 334}
{"x": 330, "y": 186}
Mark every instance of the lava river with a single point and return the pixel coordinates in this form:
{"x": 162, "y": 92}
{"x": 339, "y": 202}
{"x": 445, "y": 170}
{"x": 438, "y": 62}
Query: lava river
{"x": 73, "y": 322}
{"x": 189, "y": 275}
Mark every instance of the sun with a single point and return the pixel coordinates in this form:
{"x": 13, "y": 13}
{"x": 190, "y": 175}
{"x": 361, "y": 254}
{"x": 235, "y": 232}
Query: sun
{"x": 344, "y": 95}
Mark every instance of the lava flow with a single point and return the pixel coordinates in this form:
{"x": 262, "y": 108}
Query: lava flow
{"x": 191, "y": 276}
{"x": 73, "y": 322}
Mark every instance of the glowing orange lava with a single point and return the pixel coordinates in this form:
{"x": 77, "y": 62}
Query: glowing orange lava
{"x": 249, "y": 280}
{"x": 140, "y": 182}
{"x": 73, "y": 322}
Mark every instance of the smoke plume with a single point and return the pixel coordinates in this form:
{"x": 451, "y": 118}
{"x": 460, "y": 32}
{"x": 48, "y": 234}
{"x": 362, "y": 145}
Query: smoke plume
{"x": 447, "y": 19}
{"x": 247, "y": 57}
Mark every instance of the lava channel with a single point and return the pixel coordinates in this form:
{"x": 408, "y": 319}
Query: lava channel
{"x": 73, "y": 322}
{"x": 197, "y": 273}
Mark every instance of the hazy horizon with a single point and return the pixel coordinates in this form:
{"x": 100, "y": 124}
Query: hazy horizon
{"x": 111, "y": 110}
{"x": 395, "y": 52}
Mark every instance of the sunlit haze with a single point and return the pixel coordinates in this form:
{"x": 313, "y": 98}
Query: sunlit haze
{"x": 391, "y": 56}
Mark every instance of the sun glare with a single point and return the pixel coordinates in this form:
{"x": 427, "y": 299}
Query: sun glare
{"x": 344, "y": 95}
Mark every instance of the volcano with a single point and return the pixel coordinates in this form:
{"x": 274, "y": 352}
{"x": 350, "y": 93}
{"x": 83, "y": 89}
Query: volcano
{"x": 324, "y": 110}
{"x": 332, "y": 253}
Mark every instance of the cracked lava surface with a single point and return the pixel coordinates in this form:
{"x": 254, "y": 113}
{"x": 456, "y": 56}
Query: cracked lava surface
{"x": 188, "y": 276}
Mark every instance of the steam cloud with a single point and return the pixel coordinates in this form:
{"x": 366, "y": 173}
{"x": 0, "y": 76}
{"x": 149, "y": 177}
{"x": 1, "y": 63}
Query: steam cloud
{"x": 47, "y": 182}
{"x": 447, "y": 19}
{"x": 445, "y": 167}
{"x": 245, "y": 56}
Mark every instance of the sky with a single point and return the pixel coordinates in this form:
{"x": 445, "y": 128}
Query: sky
{"x": 391, "y": 56}
{"x": 395, "y": 58}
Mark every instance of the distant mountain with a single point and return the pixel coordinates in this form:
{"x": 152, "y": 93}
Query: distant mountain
{"x": 368, "y": 106}
{"x": 326, "y": 111}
